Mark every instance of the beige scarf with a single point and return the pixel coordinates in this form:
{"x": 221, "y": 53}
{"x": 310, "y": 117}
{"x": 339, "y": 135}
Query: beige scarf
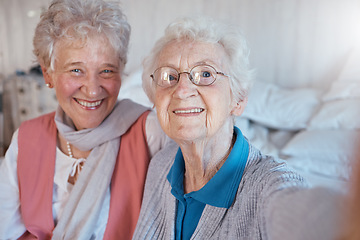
{"x": 82, "y": 210}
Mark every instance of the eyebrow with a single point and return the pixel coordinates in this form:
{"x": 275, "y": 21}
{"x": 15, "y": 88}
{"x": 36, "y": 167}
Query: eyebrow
{"x": 72, "y": 64}
{"x": 82, "y": 63}
{"x": 110, "y": 65}
{"x": 203, "y": 62}
{"x": 207, "y": 62}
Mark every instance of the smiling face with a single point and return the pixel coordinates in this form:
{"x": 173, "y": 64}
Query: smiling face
{"x": 195, "y": 113}
{"x": 86, "y": 79}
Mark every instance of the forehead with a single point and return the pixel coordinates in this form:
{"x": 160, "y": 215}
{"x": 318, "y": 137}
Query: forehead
{"x": 79, "y": 43}
{"x": 92, "y": 48}
{"x": 188, "y": 53}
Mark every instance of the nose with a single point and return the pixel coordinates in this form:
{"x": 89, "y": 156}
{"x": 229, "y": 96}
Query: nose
{"x": 92, "y": 86}
{"x": 185, "y": 88}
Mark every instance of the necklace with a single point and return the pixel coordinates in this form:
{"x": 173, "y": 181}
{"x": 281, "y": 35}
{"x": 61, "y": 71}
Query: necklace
{"x": 69, "y": 150}
{"x": 76, "y": 167}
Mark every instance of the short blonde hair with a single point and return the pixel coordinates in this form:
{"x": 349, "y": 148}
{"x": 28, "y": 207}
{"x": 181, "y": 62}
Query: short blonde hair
{"x": 77, "y": 20}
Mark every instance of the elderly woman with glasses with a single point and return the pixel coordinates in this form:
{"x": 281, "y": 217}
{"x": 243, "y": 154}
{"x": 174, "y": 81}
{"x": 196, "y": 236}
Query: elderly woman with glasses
{"x": 210, "y": 182}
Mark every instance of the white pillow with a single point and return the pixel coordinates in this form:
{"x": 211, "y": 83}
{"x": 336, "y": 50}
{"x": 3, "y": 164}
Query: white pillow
{"x": 332, "y": 170}
{"x": 281, "y": 108}
{"x": 330, "y": 152}
{"x": 258, "y": 135}
{"x": 339, "y": 114}
{"x": 343, "y": 90}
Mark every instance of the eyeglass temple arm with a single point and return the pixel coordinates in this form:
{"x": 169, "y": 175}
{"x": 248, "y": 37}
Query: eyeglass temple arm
{"x": 222, "y": 74}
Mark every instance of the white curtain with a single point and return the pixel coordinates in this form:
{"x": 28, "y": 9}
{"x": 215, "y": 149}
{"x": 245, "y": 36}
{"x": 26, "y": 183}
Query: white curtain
{"x": 18, "y": 19}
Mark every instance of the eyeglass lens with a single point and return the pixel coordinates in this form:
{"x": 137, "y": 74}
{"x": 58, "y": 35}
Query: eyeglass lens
{"x": 200, "y": 75}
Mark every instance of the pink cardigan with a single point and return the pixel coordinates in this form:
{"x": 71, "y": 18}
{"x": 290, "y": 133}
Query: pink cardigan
{"x": 36, "y": 166}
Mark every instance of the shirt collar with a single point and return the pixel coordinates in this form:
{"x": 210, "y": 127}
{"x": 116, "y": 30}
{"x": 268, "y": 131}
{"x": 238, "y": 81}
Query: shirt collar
{"x": 176, "y": 175}
{"x": 224, "y": 183}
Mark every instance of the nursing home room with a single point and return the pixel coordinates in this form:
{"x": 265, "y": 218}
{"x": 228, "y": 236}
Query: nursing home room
{"x": 303, "y": 108}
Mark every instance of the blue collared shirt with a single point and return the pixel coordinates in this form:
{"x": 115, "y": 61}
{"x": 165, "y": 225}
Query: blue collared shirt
{"x": 220, "y": 191}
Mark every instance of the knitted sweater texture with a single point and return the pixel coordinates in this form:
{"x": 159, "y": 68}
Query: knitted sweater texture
{"x": 269, "y": 202}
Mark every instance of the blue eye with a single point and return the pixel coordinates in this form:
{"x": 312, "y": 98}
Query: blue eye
{"x": 206, "y": 74}
{"x": 107, "y": 71}
{"x": 172, "y": 78}
{"x": 168, "y": 76}
{"x": 75, "y": 70}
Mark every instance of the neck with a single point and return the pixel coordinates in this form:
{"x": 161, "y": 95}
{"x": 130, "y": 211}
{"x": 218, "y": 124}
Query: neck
{"x": 71, "y": 150}
{"x": 203, "y": 160}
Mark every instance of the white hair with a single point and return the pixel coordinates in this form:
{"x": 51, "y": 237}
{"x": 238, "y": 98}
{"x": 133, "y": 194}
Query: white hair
{"x": 211, "y": 31}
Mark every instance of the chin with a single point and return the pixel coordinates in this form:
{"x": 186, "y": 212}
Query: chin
{"x": 188, "y": 136}
{"x": 88, "y": 124}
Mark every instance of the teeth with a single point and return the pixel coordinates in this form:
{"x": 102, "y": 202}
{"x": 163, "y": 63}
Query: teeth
{"x": 196, "y": 110}
{"x": 88, "y": 104}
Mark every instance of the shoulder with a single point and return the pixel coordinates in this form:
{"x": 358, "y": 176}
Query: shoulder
{"x": 155, "y": 136}
{"x": 42, "y": 127}
{"x": 43, "y": 119}
{"x": 158, "y": 170}
{"x": 266, "y": 174}
{"x": 161, "y": 163}
{"x": 127, "y": 105}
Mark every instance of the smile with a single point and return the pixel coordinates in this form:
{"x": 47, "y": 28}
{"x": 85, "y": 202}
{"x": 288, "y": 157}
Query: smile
{"x": 88, "y": 104}
{"x": 195, "y": 110}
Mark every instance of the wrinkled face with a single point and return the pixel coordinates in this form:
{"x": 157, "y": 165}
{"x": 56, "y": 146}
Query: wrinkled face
{"x": 188, "y": 112}
{"x": 86, "y": 79}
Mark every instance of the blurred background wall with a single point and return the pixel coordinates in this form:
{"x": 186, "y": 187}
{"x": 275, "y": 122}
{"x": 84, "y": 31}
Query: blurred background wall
{"x": 294, "y": 43}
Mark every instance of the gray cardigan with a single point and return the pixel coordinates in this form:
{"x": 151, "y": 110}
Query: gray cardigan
{"x": 272, "y": 202}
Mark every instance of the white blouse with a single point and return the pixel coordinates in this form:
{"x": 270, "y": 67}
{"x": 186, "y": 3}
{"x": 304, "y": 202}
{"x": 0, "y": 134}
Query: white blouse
{"x": 11, "y": 224}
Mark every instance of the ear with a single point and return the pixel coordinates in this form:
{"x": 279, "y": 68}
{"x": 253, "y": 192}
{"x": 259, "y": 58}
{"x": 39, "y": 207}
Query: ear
{"x": 47, "y": 77}
{"x": 239, "y": 107}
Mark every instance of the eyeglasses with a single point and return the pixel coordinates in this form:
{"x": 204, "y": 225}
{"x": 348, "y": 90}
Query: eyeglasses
{"x": 200, "y": 75}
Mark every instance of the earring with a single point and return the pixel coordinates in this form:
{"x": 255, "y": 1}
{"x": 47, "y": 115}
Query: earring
{"x": 48, "y": 85}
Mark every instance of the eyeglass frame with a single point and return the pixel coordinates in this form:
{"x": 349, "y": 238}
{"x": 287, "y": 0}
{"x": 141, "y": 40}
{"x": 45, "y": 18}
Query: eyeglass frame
{"x": 188, "y": 74}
